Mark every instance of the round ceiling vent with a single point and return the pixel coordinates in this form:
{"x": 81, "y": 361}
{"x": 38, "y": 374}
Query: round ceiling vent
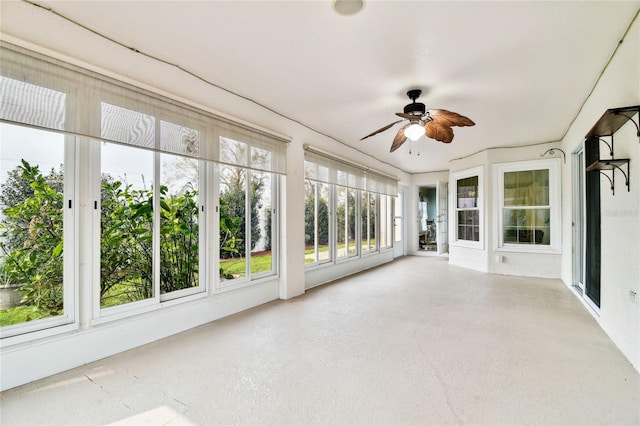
{"x": 347, "y": 7}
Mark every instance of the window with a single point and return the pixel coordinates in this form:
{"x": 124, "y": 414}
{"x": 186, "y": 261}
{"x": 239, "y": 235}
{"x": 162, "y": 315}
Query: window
{"x": 246, "y": 213}
{"x": 368, "y": 220}
{"x": 37, "y": 205}
{"x": 126, "y": 225}
{"x": 262, "y": 207}
{"x": 386, "y": 221}
{"x": 150, "y": 167}
{"x": 397, "y": 220}
{"x": 36, "y": 230}
{"x": 528, "y": 196}
{"x": 317, "y": 220}
{"x": 467, "y": 208}
{"x": 342, "y": 221}
{"x": 348, "y": 211}
{"x": 150, "y": 225}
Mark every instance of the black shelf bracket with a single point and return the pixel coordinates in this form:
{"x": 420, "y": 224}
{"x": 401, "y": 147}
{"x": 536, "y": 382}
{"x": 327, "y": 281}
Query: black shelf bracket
{"x": 611, "y": 181}
{"x": 630, "y": 118}
{"x": 609, "y": 145}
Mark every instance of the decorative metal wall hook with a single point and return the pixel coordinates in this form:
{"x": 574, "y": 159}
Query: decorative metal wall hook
{"x": 552, "y": 151}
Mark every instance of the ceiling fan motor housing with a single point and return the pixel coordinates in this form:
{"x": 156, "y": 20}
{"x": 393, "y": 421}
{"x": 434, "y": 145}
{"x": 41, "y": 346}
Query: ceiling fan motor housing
{"x": 415, "y": 108}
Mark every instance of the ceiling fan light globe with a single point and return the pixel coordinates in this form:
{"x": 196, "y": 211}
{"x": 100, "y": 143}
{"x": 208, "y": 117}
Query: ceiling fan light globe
{"x": 414, "y": 131}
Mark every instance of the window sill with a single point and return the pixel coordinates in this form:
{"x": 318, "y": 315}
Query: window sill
{"x": 145, "y": 307}
{"x": 242, "y": 284}
{"x": 529, "y": 249}
{"x": 478, "y": 245}
{"x": 31, "y": 336}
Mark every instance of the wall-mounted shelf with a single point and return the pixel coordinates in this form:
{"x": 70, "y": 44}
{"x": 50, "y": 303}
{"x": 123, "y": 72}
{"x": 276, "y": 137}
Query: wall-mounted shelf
{"x": 611, "y": 164}
{"x": 610, "y": 122}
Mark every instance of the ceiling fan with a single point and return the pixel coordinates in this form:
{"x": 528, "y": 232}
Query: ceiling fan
{"x": 435, "y": 123}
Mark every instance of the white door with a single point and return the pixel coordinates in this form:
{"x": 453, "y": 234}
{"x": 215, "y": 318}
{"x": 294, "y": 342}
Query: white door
{"x": 441, "y": 219}
{"x": 398, "y": 224}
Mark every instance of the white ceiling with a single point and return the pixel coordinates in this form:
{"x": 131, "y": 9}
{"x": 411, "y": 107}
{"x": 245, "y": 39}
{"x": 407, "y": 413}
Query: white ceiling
{"x": 520, "y": 70}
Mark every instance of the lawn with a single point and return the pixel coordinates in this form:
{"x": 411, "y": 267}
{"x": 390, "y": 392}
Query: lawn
{"x": 236, "y": 267}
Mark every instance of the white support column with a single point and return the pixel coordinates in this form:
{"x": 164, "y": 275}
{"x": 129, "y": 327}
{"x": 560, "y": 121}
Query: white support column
{"x": 291, "y": 206}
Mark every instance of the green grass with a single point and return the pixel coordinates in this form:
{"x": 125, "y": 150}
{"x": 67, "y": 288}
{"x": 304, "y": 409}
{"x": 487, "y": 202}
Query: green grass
{"x": 20, "y": 314}
{"x": 236, "y": 266}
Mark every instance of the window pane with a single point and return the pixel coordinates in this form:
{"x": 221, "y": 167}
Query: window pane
{"x": 469, "y": 225}
{"x": 233, "y": 197}
{"x": 526, "y": 226}
{"x": 310, "y": 221}
{"x": 260, "y": 158}
{"x": 364, "y": 221}
{"x": 324, "y": 255}
{"x": 467, "y": 193}
{"x": 341, "y": 221}
{"x": 526, "y": 188}
{"x": 541, "y": 188}
{"x": 397, "y": 220}
{"x": 27, "y": 103}
{"x": 373, "y": 245}
{"x": 351, "y": 219}
{"x": 233, "y": 152}
{"x": 179, "y": 227}
{"x": 179, "y": 139}
{"x": 386, "y": 221}
{"x": 126, "y": 225}
{"x": 127, "y": 126}
{"x": 261, "y": 222}
{"x": 31, "y": 224}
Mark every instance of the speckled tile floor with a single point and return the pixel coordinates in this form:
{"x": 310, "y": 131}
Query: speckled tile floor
{"x": 416, "y": 341}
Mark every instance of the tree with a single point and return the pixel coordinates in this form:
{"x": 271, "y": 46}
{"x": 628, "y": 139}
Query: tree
{"x": 17, "y": 188}
{"x": 126, "y": 244}
{"x": 31, "y": 238}
{"x": 322, "y": 219}
{"x": 233, "y": 204}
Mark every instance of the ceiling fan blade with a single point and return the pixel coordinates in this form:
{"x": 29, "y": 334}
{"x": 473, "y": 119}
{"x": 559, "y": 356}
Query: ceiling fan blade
{"x": 410, "y": 117}
{"x": 398, "y": 140}
{"x": 382, "y": 129}
{"x": 449, "y": 118}
{"x": 438, "y": 131}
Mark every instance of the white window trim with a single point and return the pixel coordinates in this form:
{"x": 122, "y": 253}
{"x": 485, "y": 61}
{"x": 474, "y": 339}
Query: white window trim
{"x": 554, "y": 167}
{"x": 453, "y": 228}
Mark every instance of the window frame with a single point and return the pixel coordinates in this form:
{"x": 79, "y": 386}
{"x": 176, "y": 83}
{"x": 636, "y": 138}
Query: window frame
{"x": 553, "y": 165}
{"x": 368, "y": 213}
{"x": 100, "y": 314}
{"x": 316, "y": 220}
{"x": 453, "y": 190}
{"x": 220, "y": 285}
{"x": 44, "y": 327}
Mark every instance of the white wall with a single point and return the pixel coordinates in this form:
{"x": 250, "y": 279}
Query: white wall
{"x": 619, "y": 86}
{"x": 490, "y": 258}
